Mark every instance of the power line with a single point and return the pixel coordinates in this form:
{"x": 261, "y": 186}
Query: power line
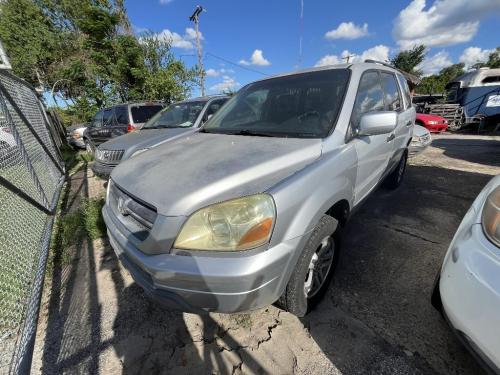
{"x": 236, "y": 64}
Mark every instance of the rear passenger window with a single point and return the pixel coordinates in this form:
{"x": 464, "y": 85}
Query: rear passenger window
{"x": 392, "y": 97}
{"x": 121, "y": 115}
{"x": 369, "y": 98}
{"x": 405, "y": 89}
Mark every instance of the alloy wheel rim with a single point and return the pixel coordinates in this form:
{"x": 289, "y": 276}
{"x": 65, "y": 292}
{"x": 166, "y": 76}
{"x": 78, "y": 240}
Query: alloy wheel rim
{"x": 319, "y": 267}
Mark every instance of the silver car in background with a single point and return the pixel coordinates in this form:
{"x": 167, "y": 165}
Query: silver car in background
{"x": 420, "y": 140}
{"x": 174, "y": 120}
{"x": 246, "y": 211}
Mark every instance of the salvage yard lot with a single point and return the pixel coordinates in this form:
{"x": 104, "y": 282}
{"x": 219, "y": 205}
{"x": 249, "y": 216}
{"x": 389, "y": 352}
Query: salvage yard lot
{"x": 375, "y": 318}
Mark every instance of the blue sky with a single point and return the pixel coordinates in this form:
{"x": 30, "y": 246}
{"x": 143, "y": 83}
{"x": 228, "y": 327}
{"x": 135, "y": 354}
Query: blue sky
{"x": 264, "y": 35}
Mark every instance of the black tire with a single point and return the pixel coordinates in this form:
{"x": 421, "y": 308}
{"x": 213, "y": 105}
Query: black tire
{"x": 395, "y": 178}
{"x": 294, "y": 298}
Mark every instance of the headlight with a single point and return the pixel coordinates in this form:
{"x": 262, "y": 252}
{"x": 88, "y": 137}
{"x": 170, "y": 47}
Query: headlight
{"x": 432, "y": 122}
{"x": 491, "y": 216}
{"x": 139, "y": 152}
{"x": 238, "y": 224}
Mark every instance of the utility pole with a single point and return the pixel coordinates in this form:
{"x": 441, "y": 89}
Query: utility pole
{"x": 195, "y": 18}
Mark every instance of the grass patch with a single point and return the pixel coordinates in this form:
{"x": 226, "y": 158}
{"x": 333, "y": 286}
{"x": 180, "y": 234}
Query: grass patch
{"x": 93, "y": 220}
{"x": 243, "y": 320}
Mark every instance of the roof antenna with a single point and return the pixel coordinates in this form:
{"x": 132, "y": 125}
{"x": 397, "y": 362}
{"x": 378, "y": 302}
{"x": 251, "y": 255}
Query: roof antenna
{"x": 301, "y": 31}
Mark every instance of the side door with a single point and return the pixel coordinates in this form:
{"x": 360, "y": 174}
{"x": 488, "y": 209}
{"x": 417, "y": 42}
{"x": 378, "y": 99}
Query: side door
{"x": 107, "y": 122}
{"x": 395, "y": 102}
{"x": 373, "y": 151}
{"x": 121, "y": 121}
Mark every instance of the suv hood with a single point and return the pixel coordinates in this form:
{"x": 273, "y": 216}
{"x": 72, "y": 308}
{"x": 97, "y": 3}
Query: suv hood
{"x": 142, "y": 138}
{"x": 194, "y": 171}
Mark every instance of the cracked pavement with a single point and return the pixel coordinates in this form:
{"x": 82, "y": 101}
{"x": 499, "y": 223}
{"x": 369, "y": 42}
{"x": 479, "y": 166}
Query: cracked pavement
{"x": 376, "y": 316}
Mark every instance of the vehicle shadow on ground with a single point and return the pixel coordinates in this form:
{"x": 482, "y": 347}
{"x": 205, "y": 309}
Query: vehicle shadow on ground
{"x": 377, "y": 316}
{"x": 481, "y": 151}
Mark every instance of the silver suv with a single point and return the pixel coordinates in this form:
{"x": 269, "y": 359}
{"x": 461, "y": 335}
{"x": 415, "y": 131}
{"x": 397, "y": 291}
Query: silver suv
{"x": 246, "y": 211}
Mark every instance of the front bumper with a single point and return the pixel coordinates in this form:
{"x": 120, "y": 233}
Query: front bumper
{"x": 439, "y": 128}
{"x": 199, "y": 282}
{"x": 101, "y": 169}
{"x": 470, "y": 291}
{"x": 417, "y": 148}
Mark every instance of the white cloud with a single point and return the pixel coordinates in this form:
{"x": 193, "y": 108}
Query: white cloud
{"x": 217, "y": 72}
{"x": 186, "y": 41}
{"x": 228, "y": 84}
{"x": 473, "y": 55}
{"x": 379, "y": 53}
{"x": 348, "y": 30}
{"x": 165, "y": 2}
{"x": 328, "y": 60}
{"x": 444, "y": 23}
{"x": 257, "y": 58}
{"x": 212, "y": 73}
{"x": 434, "y": 63}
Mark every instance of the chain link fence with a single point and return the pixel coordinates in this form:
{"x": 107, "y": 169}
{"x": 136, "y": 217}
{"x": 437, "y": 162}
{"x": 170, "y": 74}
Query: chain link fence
{"x": 31, "y": 176}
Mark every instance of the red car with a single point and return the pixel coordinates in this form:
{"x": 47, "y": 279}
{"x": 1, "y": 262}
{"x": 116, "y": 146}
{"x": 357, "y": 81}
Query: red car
{"x": 433, "y": 123}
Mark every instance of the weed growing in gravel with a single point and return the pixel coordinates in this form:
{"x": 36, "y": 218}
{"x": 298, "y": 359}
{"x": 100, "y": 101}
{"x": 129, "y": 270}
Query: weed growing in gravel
{"x": 243, "y": 320}
{"x": 94, "y": 223}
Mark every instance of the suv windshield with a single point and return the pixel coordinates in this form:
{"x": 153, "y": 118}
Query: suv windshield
{"x": 178, "y": 115}
{"x": 302, "y": 105}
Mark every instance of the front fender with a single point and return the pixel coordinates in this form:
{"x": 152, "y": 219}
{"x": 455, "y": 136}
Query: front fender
{"x": 304, "y": 197}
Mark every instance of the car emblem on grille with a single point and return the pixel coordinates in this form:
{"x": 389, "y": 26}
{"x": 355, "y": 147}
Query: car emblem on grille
{"x": 122, "y": 207}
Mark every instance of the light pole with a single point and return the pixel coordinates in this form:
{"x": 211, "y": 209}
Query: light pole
{"x": 195, "y": 18}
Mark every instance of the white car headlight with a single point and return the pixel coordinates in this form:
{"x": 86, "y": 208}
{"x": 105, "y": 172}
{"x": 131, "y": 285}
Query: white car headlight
{"x": 433, "y": 122}
{"x": 238, "y": 224}
{"x": 139, "y": 152}
{"x": 491, "y": 216}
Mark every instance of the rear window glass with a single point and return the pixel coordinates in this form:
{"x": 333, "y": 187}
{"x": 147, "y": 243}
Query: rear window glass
{"x": 143, "y": 113}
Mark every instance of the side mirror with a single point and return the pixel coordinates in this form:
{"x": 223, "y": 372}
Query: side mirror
{"x": 378, "y": 123}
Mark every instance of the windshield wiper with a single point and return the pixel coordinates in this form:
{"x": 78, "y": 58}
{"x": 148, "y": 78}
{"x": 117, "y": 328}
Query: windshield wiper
{"x": 253, "y": 132}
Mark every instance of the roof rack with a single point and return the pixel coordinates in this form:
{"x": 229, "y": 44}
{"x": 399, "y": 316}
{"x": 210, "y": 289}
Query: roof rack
{"x": 409, "y": 77}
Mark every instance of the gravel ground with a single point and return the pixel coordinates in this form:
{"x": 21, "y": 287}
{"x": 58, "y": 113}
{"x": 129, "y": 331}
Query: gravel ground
{"x": 376, "y": 317}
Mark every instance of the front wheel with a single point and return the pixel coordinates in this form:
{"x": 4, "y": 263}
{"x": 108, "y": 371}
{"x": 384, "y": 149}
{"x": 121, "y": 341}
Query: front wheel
{"x": 314, "y": 269}
{"x": 395, "y": 179}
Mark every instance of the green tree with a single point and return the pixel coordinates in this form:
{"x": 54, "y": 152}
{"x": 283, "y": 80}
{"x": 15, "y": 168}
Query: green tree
{"x": 436, "y": 84}
{"x": 85, "y": 51}
{"x": 492, "y": 62}
{"x": 408, "y": 60}
{"x": 166, "y": 78}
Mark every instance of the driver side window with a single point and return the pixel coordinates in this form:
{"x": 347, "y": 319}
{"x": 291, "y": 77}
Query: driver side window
{"x": 369, "y": 98}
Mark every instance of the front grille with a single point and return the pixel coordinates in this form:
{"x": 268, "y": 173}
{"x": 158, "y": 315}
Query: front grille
{"x": 137, "y": 216}
{"x": 109, "y": 156}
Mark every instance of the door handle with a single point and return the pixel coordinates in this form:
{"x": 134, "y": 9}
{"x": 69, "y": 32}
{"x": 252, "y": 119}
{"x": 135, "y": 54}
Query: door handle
{"x": 391, "y": 137}
{"x": 409, "y": 123}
